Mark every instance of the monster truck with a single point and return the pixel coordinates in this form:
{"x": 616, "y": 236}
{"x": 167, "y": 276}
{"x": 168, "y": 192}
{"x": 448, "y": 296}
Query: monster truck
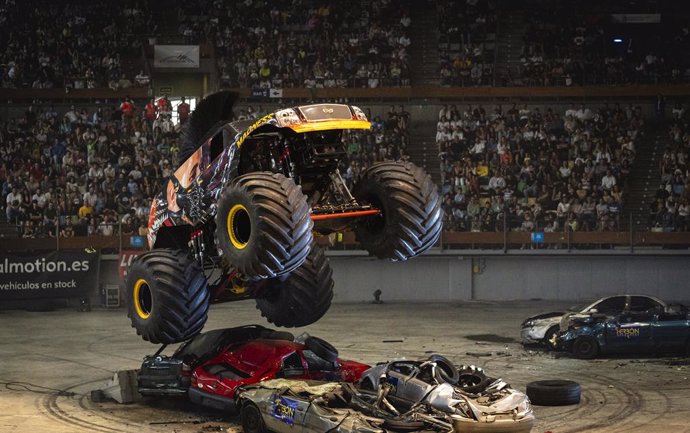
{"x": 237, "y": 219}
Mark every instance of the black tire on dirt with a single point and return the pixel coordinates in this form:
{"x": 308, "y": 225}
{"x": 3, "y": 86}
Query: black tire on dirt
{"x": 251, "y": 419}
{"x": 410, "y": 220}
{"x": 445, "y": 371}
{"x": 263, "y": 226}
{"x": 167, "y": 296}
{"x": 303, "y": 296}
{"x": 585, "y": 347}
{"x": 553, "y": 392}
{"x": 322, "y": 348}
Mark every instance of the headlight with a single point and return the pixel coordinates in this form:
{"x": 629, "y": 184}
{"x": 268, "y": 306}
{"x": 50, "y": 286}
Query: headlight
{"x": 528, "y": 323}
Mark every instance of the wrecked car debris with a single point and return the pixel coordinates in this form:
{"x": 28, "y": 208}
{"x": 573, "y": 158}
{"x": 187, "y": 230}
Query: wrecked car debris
{"x": 472, "y": 400}
{"x": 210, "y": 367}
{"x": 628, "y": 332}
{"x": 544, "y": 328}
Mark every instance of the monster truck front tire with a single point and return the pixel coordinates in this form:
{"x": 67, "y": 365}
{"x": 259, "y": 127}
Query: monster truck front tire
{"x": 303, "y": 296}
{"x": 263, "y": 225}
{"x": 167, "y": 296}
{"x": 410, "y": 221}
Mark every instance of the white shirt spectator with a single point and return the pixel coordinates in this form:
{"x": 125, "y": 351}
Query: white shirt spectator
{"x": 608, "y": 181}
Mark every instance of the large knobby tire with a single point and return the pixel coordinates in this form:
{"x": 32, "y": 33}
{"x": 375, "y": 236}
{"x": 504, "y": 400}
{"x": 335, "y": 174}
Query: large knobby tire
{"x": 167, "y": 296}
{"x": 585, "y": 347}
{"x": 263, "y": 225}
{"x": 303, "y": 296}
{"x": 553, "y": 392}
{"x": 410, "y": 221}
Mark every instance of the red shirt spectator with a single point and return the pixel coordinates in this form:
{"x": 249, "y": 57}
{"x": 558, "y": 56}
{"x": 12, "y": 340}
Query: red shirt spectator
{"x": 150, "y": 111}
{"x": 183, "y": 111}
{"x": 164, "y": 105}
{"x": 127, "y": 107}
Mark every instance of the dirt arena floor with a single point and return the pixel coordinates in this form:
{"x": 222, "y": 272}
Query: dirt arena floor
{"x": 76, "y": 352}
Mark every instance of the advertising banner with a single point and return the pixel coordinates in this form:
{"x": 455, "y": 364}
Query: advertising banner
{"x": 57, "y": 274}
{"x": 125, "y": 260}
{"x": 176, "y": 56}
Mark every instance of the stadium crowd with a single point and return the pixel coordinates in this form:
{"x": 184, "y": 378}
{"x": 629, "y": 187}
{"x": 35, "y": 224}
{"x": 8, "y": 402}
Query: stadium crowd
{"x": 670, "y": 210}
{"x": 71, "y": 45}
{"x": 311, "y": 44}
{"x": 527, "y": 169}
{"x": 464, "y": 29}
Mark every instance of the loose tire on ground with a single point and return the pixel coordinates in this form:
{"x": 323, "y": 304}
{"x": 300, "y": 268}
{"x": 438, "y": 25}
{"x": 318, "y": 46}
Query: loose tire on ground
{"x": 585, "y": 347}
{"x": 321, "y": 348}
{"x": 411, "y": 220}
{"x": 251, "y": 419}
{"x": 553, "y": 392}
{"x": 303, "y": 296}
{"x": 263, "y": 226}
{"x": 167, "y": 296}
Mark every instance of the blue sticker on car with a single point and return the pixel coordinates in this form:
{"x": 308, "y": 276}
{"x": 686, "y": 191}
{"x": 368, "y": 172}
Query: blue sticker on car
{"x": 284, "y": 409}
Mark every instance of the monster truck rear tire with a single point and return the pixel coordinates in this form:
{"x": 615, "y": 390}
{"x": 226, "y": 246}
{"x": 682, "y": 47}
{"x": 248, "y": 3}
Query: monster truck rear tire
{"x": 303, "y": 296}
{"x": 167, "y": 296}
{"x": 410, "y": 220}
{"x": 263, "y": 226}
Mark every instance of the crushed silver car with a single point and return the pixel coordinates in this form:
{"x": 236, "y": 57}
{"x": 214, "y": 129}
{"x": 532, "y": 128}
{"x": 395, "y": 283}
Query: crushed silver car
{"x": 469, "y": 399}
{"x": 286, "y": 406}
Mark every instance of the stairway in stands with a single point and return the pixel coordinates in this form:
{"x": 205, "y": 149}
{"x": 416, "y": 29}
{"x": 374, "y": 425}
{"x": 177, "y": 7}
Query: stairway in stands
{"x": 509, "y": 41}
{"x": 422, "y": 150}
{"x": 644, "y": 179}
{"x": 423, "y": 51}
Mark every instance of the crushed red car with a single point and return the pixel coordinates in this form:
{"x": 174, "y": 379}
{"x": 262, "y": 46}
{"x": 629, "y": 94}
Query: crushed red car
{"x": 211, "y": 366}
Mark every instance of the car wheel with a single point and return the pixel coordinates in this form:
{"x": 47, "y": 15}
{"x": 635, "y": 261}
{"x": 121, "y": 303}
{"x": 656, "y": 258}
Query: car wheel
{"x": 303, "y": 296}
{"x": 445, "y": 370}
{"x": 252, "y": 421}
{"x": 551, "y": 336}
{"x": 553, "y": 392}
{"x": 472, "y": 379}
{"x": 263, "y": 226}
{"x": 167, "y": 296}
{"x": 322, "y": 348}
{"x": 411, "y": 219}
{"x": 585, "y": 348}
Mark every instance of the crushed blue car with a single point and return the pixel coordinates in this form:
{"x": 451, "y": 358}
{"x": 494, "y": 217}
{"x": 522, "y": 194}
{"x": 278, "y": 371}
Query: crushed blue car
{"x": 629, "y": 332}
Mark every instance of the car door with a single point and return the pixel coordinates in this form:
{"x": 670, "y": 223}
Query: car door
{"x": 630, "y": 332}
{"x": 671, "y": 331}
{"x": 285, "y": 414}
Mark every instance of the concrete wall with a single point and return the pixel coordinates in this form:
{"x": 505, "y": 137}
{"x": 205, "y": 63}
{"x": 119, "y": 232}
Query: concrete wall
{"x": 511, "y": 278}
{"x": 460, "y": 278}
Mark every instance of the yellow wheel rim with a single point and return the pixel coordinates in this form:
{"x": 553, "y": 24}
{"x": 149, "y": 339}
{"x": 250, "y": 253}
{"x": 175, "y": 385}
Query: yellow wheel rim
{"x": 239, "y": 226}
{"x": 143, "y": 301}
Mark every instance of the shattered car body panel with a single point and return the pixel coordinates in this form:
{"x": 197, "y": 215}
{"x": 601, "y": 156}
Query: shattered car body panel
{"x": 286, "y": 405}
{"x": 534, "y": 329}
{"x": 632, "y": 332}
{"x": 495, "y": 408}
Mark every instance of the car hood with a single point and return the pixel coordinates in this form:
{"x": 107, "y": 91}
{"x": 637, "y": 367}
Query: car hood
{"x": 544, "y": 316}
